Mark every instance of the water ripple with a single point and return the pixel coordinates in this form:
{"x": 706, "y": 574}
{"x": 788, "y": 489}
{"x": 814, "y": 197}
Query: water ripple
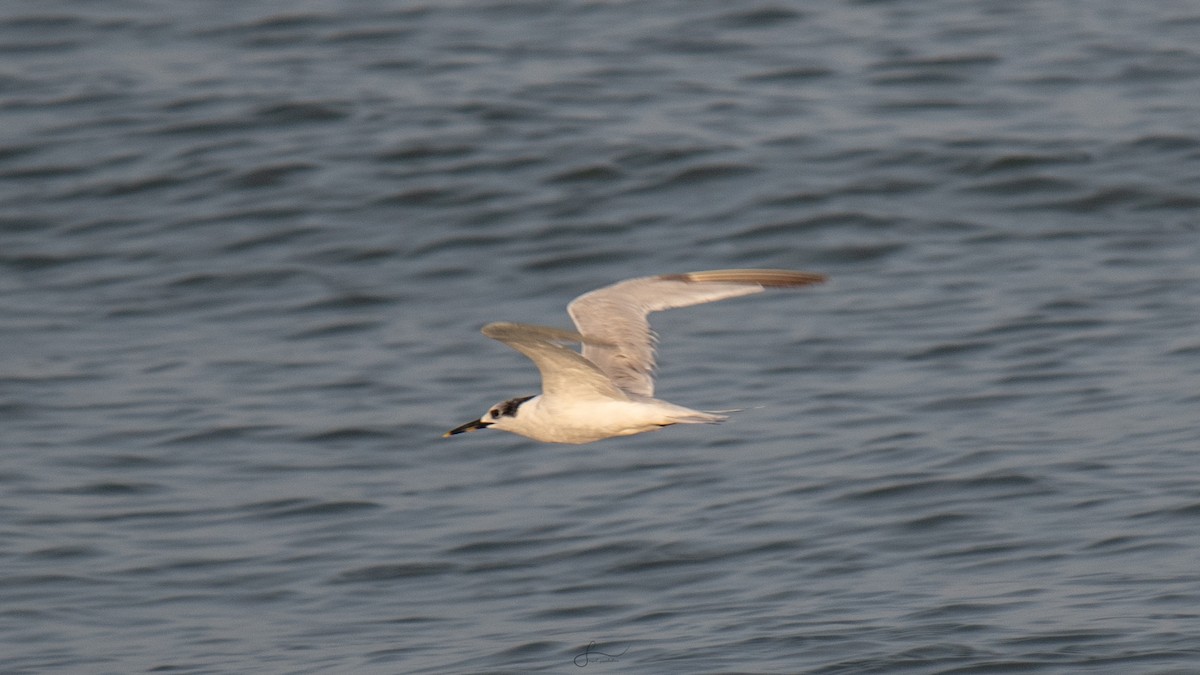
{"x": 244, "y": 257}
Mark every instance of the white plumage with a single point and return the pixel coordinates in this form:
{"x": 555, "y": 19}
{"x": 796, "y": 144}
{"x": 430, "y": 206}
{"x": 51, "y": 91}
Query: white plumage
{"x": 608, "y": 390}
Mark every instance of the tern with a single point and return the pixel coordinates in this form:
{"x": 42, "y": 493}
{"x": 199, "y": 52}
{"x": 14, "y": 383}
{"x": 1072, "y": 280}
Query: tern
{"x": 608, "y": 389}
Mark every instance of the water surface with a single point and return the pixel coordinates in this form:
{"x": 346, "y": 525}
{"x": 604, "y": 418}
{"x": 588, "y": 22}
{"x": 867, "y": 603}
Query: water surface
{"x": 245, "y": 252}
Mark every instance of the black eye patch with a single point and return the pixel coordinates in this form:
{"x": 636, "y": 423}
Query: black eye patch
{"x": 509, "y": 407}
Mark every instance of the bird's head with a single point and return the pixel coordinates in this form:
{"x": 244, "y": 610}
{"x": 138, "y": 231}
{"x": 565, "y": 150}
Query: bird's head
{"x": 504, "y": 416}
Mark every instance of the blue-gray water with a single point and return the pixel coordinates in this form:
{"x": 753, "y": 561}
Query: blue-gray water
{"x": 245, "y": 253}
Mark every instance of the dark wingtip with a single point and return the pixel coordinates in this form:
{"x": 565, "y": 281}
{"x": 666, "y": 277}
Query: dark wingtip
{"x": 768, "y": 278}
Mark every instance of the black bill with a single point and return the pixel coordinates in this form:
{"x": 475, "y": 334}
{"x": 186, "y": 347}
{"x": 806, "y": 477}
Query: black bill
{"x": 469, "y": 426}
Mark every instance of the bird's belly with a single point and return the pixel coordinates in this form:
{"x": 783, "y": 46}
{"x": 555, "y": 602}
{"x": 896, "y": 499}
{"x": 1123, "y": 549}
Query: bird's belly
{"x": 600, "y": 420}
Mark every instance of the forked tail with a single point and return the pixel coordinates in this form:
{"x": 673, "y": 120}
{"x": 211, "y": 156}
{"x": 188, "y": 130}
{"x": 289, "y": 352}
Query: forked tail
{"x": 705, "y": 417}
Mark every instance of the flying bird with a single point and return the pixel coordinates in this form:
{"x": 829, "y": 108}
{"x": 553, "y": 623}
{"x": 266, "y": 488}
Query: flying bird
{"x": 608, "y": 389}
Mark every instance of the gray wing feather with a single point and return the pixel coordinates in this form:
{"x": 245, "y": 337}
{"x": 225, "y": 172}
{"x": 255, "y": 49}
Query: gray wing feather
{"x": 564, "y": 371}
{"x": 619, "y": 340}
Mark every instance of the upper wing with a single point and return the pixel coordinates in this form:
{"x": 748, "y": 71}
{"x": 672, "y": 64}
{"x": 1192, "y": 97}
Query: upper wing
{"x": 564, "y": 371}
{"x": 613, "y": 319}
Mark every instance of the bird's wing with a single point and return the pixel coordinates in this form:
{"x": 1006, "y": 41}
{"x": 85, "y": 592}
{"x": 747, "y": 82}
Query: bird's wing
{"x": 565, "y": 373}
{"x": 613, "y": 319}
